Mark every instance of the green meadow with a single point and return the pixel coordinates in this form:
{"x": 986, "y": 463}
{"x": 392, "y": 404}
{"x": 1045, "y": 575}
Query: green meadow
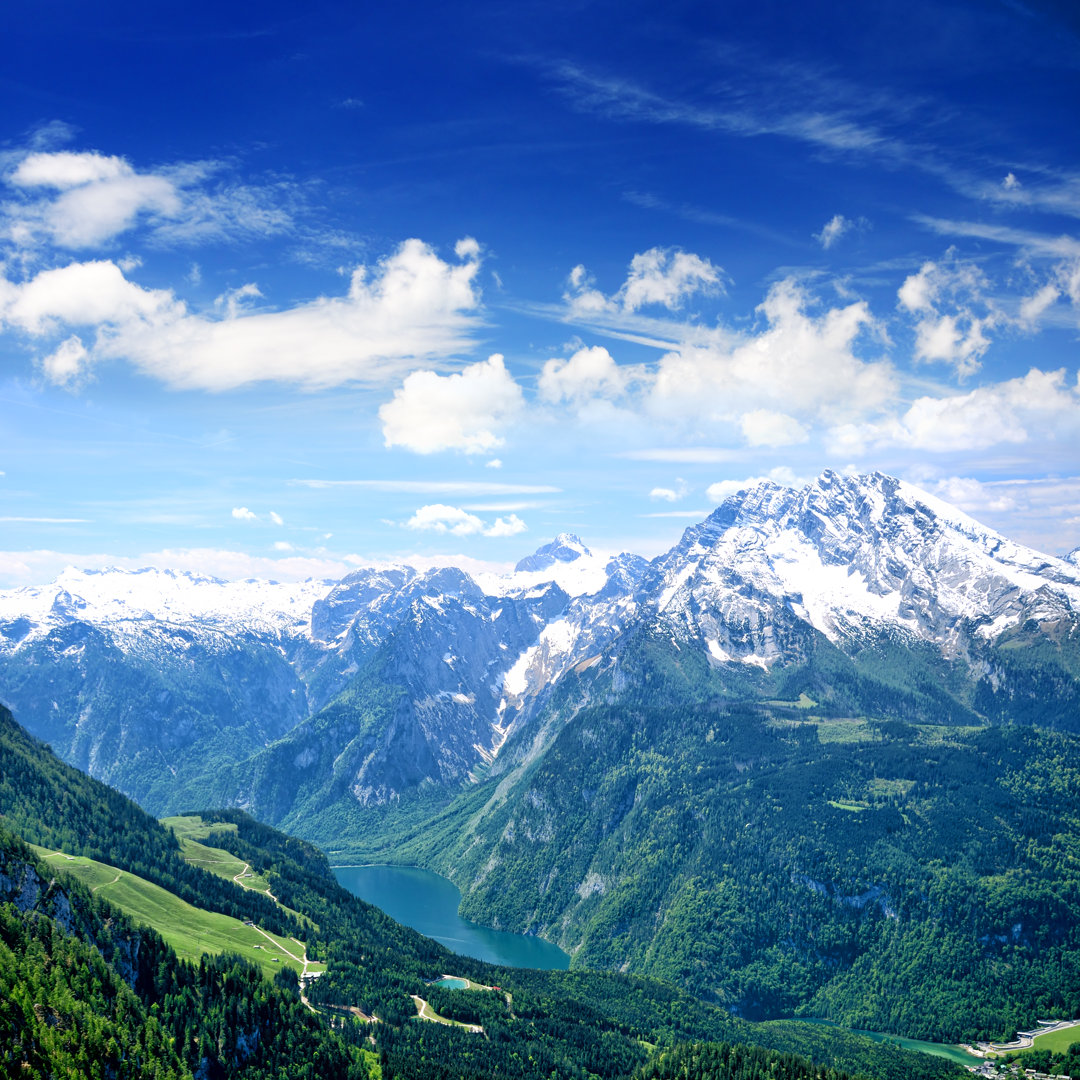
{"x": 1057, "y": 1042}
{"x": 191, "y": 931}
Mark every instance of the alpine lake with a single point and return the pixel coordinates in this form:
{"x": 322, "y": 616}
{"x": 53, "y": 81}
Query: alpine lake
{"x": 429, "y": 903}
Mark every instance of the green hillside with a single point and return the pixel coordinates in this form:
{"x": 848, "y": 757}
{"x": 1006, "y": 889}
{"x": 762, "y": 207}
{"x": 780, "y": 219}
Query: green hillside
{"x": 189, "y": 931}
{"x": 158, "y": 1014}
{"x": 915, "y": 878}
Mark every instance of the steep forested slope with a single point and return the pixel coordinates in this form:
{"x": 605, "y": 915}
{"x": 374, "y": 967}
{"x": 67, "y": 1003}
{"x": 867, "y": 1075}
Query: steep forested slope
{"x": 88, "y": 991}
{"x": 913, "y": 878}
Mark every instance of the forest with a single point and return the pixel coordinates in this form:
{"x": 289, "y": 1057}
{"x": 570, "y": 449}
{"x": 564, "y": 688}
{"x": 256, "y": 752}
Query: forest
{"x": 88, "y": 993}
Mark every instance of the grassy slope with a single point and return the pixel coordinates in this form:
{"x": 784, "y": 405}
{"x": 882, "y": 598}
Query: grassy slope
{"x": 190, "y": 931}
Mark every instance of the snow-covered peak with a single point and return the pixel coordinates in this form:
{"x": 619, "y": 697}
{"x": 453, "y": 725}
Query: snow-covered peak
{"x": 851, "y": 553}
{"x": 115, "y": 597}
{"x": 565, "y": 548}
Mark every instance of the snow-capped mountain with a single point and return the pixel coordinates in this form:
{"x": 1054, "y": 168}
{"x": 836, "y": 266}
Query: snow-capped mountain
{"x": 851, "y": 556}
{"x": 143, "y": 676}
{"x": 128, "y": 601}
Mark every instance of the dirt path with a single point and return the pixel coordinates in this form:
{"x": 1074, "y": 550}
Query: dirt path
{"x": 104, "y": 883}
{"x": 239, "y": 879}
{"x": 301, "y": 960}
{"x": 426, "y": 1012}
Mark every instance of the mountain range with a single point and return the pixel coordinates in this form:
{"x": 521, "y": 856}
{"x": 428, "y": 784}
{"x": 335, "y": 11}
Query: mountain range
{"x": 813, "y": 696}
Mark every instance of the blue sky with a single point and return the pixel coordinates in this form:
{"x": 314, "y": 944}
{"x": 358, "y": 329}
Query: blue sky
{"x": 290, "y": 288}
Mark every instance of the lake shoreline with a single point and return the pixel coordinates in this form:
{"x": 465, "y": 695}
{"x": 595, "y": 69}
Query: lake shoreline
{"x": 428, "y": 903}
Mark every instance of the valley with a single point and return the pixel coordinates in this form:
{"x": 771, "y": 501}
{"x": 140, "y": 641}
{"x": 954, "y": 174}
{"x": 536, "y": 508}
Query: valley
{"x": 820, "y": 759}
{"x": 65, "y": 949}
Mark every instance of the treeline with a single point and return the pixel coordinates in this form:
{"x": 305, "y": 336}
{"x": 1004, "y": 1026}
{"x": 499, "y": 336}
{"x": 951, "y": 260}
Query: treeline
{"x": 1047, "y": 1061}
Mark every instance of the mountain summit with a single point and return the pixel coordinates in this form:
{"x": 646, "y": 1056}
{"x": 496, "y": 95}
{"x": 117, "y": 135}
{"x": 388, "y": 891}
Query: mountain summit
{"x": 139, "y": 677}
{"x": 565, "y": 548}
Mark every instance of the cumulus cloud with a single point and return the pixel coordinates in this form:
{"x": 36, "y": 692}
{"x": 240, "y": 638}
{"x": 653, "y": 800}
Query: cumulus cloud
{"x": 411, "y": 307}
{"x": 797, "y": 363}
{"x": 276, "y": 518}
{"x": 670, "y": 494}
{"x": 1004, "y": 412}
{"x": 242, "y": 513}
{"x": 96, "y": 197}
{"x": 589, "y": 373}
{"x": 464, "y": 411}
{"x": 660, "y": 276}
{"x": 69, "y": 365}
{"x": 440, "y": 518}
{"x": 951, "y": 313}
{"x": 782, "y": 475}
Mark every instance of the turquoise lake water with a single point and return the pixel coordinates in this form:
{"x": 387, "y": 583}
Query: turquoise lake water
{"x": 953, "y": 1053}
{"x": 428, "y": 902}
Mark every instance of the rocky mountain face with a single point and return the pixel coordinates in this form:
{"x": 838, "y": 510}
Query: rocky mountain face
{"x": 390, "y": 682}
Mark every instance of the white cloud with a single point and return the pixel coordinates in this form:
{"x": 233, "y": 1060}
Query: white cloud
{"x": 659, "y": 276}
{"x": 98, "y": 198}
{"x": 1004, "y": 412}
{"x": 672, "y": 494}
{"x": 589, "y": 373}
{"x": 283, "y": 545}
{"x": 832, "y": 230}
{"x": 36, "y": 567}
{"x": 1010, "y": 183}
{"x": 763, "y": 427}
{"x": 68, "y": 366}
{"x": 276, "y": 518}
{"x": 1043, "y": 511}
{"x": 440, "y": 518}
{"x": 84, "y": 294}
{"x": 242, "y": 513}
{"x": 800, "y": 363}
{"x": 1033, "y": 307}
{"x": 723, "y": 489}
{"x": 413, "y": 307}
{"x": 973, "y": 496}
{"x": 956, "y": 337}
{"x": 509, "y": 526}
{"x": 76, "y": 200}
{"x": 494, "y": 463}
{"x": 667, "y": 277}
{"x": 465, "y": 411}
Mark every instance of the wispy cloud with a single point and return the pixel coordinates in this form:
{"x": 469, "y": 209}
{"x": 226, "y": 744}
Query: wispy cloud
{"x": 48, "y": 520}
{"x": 434, "y": 487}
{"x": 1035, "y": 243}
{"x": 732, "y": 111}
